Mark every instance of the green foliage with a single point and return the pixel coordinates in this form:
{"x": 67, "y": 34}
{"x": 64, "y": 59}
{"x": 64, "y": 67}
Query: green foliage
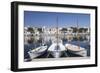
{"x": 30, "y": 29}
{"x": 40, "y": 30}
{"x": 81, "y": 30}
{"x": 64, "y": 29}
{"x": 74, "y": 29}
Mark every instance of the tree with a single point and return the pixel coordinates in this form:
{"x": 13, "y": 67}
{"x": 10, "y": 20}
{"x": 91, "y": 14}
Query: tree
{"x": 64, "y": 29}
{"x": 83, "y": 30}
{"x": 40, "y": 30}
{"x": 30, "y": 29}
{"x": 74, "y": 29}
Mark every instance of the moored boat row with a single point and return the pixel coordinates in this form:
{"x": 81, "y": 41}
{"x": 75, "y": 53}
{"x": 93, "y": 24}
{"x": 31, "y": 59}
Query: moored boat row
{"x": 56, "y": 49}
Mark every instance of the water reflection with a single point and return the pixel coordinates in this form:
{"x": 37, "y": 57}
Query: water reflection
{"x": 35, "y": 41}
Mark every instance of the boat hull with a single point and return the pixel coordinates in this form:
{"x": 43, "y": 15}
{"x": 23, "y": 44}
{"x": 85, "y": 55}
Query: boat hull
{"x": 55, "y": 51}
{"x": 56, "y": 54}
{"x": 80, "y": 53}
{"x": 37, "y": 52}
{"x": 76, "y": 50}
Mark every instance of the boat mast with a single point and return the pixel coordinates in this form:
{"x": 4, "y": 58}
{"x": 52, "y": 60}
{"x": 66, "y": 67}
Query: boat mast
{"x": 57, "y": 30}
{"x": 78, "y": 34}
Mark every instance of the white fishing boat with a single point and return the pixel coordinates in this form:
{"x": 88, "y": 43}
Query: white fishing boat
{"x": 57, "y": 49}
{"x": 76, "y": 50}
{"x": 37, "y": 51}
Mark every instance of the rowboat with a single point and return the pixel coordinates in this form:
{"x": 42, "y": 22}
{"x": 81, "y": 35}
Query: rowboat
{"x": 76, "y": 50}
{"x": 37, "y": 51}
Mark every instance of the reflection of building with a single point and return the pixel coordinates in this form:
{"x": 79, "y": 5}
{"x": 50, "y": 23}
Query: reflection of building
{"x": 27, "y": 35}
{"x": 69, "y": 34}
{"x": 46, "y": 33}
{"x": 36, "y": 32}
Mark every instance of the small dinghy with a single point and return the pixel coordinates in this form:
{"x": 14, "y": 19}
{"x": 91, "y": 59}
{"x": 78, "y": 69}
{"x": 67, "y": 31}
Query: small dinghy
{"x": 37, "y": 51}
{"x": 76, "y": 50}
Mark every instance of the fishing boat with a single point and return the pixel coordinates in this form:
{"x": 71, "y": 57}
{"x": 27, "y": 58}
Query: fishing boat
{"x": 37, "y": 51}
{"x": 76, "y": 49}
{"x": 57, "y": 48}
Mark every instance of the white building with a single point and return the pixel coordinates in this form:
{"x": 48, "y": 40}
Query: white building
{"x": 69, "y": 30}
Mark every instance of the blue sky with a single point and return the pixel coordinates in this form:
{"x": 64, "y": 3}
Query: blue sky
{"x": 49, "y": 19}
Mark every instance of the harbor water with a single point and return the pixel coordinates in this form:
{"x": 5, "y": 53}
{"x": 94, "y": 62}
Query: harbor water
{"x": 83, "y": 42}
